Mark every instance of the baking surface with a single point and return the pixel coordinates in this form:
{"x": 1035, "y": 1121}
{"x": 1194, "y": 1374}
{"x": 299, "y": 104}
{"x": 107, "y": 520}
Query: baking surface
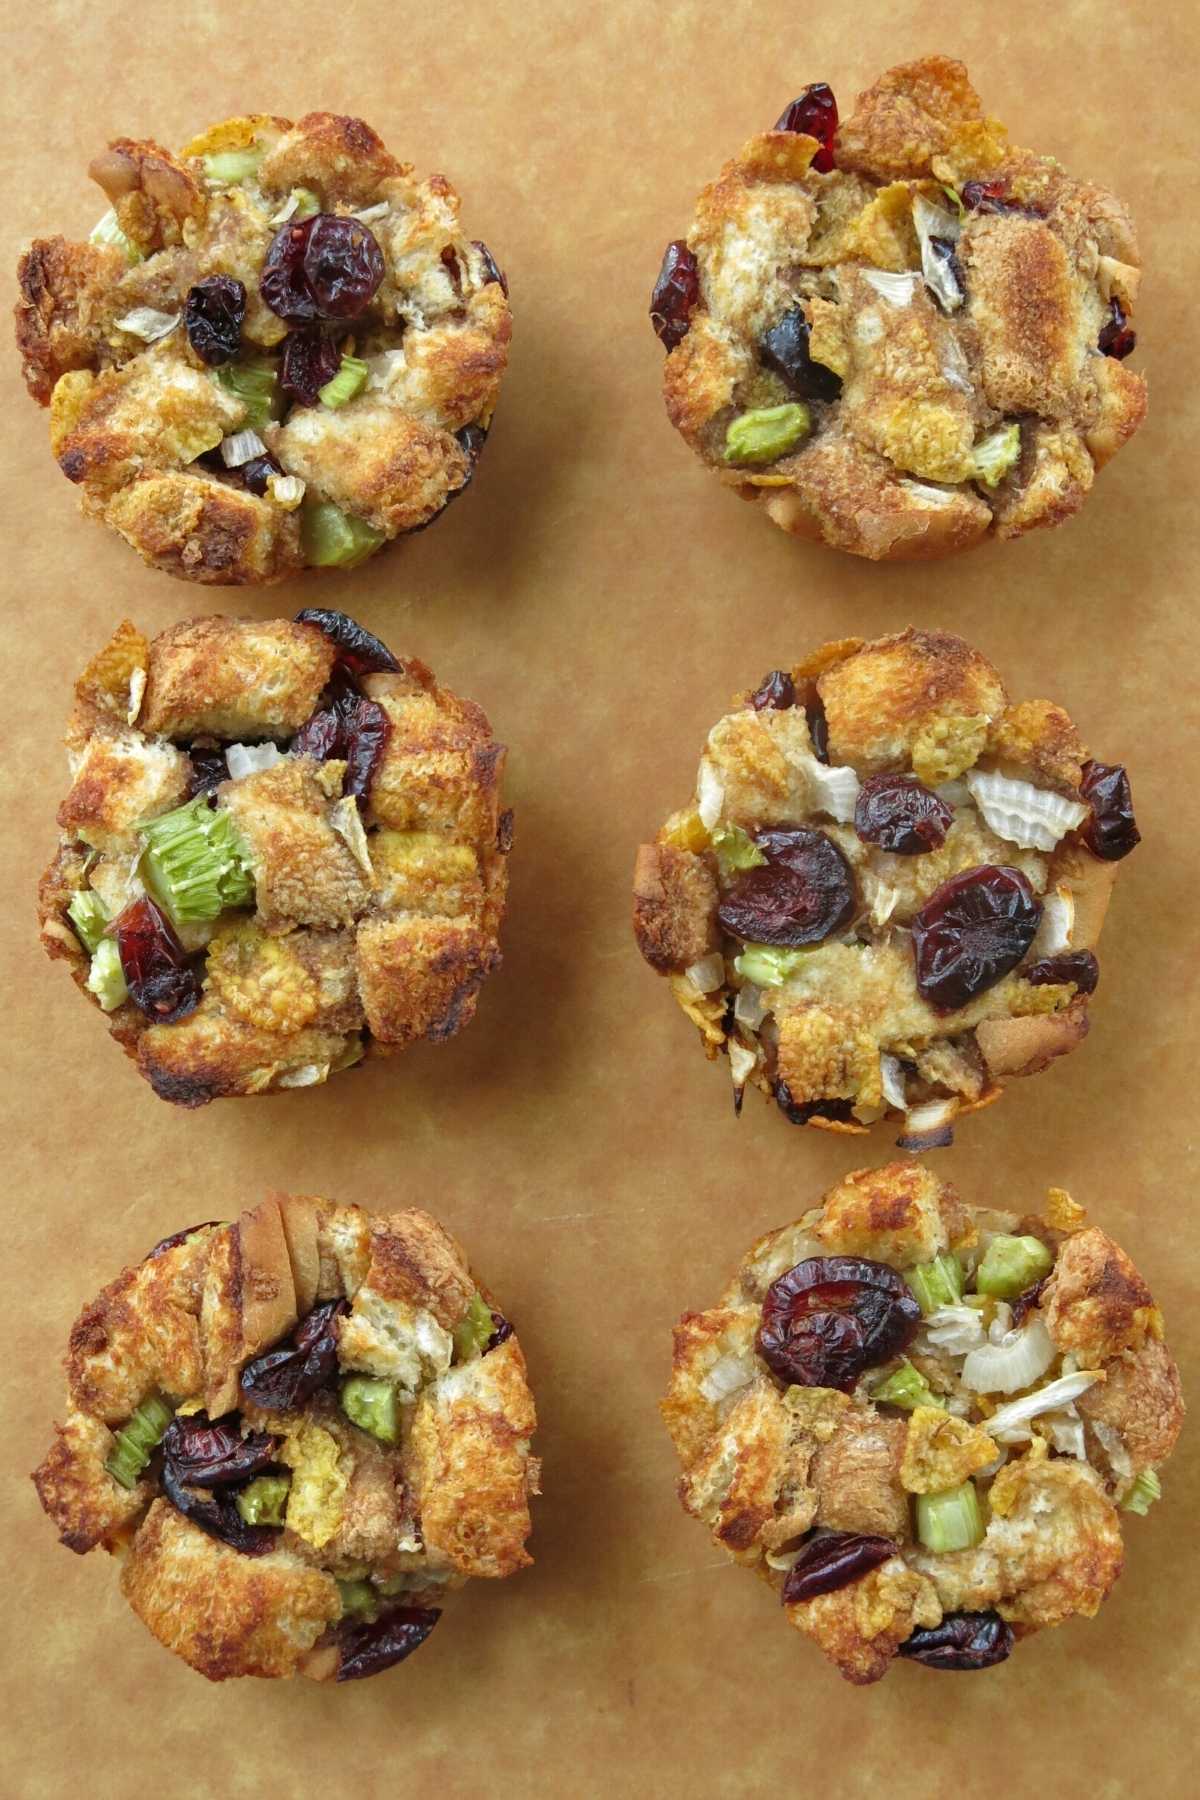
{"x": 603, "y": 598}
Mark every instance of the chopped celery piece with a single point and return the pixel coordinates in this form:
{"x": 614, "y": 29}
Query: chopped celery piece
{"x": 766, "y": 966}
{"x": 333, "y": 539}
{"x": 195, "y": 862}
{"x": 906, "y": 1387}
{"x": 371, "y": 1405}
{"x": 1012, "y": 1264}
{"x": 951, "y": 1520}
{"x": 89, "y": 915}
{"x": 955, "y": 199}
{"x": 306, "y": 203}
{"x": 359, "y": 1599}
{"x": 735, "y": 849}
{"x": 1144, "y": 1492}
{"x": 936, "y": 1283}
{"x": 350, "y": 379}
{"x": 106, "y": 978}
{"x": 137, "y": 1438}
{"x": 255, "y": 382}
{"x": 264, "y": 1500}
{"x": 232, "y": 166}
{"x": 767, "y": 433}
{"x": 473, "y": 1330}
{"x": 107, "y": 231}
{"x": 994, "y": 456}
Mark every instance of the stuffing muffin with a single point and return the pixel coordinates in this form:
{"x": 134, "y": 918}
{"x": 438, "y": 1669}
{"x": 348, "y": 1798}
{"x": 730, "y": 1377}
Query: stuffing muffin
{"x": 902, "y": 334}
{"x": 886, "y": 893}
{"x": 298, "y": 1432}
{"x": 920, "y": 1422}
{"x": 277, "y": 350}
{"x": 282, "y": 851}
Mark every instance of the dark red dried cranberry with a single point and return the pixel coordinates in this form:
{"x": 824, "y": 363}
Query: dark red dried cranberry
{"x": 971, "y": 932}
{"x": 213, "y": 317}
{"x": 962, "y": 1641}
{"x": 211, "y": 1454}
{"x": 452, "y": 266}
{"x": 803, "y": 892}
{"x": 815, "y": 113}
{"x": 676, "y": 292}
{"x": 369, "y": 1649}
{"x": 347, "y": 725}
{"x": 785, "y": 350}
{"x": 209, "y": 769}
{"x": 501, "y": 1334}
{"x": 833, "y": 1561}
{"x": 1117, "y": 338}
{"x": 901, "y": 815}
{"x": 356, "y": 647}
{"x": 504, "y": 831}
{"x": 217, "y": 1514}
{"x": 1112, "y": 832}
{"x": 801, "y": 1111}
{"x": 775, "y": 693}
{"x": 818, "y": 727}
{"x": 325, "y": 267}
{"x": 157, "y": 973}
{"x": 985, "y": 196}
{"x": 178, "y": 1237}
{"x": 1079, "y": 966}
{"x": 281, "y": 1378}
{"x": 309, "y": 360}
{"x": 831, "y": 1317}
{"x": 1025, "y": 1301}
{"x": 491, "y": 268}
{"x": 256, "y": 474}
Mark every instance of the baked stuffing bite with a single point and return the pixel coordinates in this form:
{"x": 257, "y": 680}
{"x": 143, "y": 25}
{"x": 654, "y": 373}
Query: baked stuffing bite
{"x": 282, "y": 852}
{"x": 920, "y": 1422}
{"x": 886, "y": 894}
{"x": 901, "y": 334}
{"x": 277, "y": 350}
{"x": 298, "y": 1433}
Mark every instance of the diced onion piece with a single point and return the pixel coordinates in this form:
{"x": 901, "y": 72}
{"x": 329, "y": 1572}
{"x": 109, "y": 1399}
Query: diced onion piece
{"x": 1001, "y": 1323}
{"x": 708, "y": 974}
{"x": 954, "y": 793}
{"x": 241, "y": 447}
{"x": 748, "y": 1008}
{"x": 955, "y": 1329}
{"x": 147, "y": 323}
{"x": 834, "y": 790}
{"x": 936, "y": 222}
{"x": 1058, "y": 922}
{"x": 710, "y": 794}
{"x": 884, "y": 902}
{"x": 727, "y": 1375}
{"x": 286, "y": 490}
{"x": 1033, "y": 818}
{"x": 929, "y": 1126}
{"x": 307, "y": 1075}
{"x": 1021, "y": 1359}
{"x": 1066, "y": 1432}
{"x": 286, "y": 210}
{"x": 347, "y": 822}
{"x": 1114, "y": 1448}
{"x": 1010, "y": 1424}
{"x": 137, "y": 689}
{"x": 741, "y": 1063}
{"x": 896, "y": 289}
{"x": 781, "y": 1559}
{"x": 369, "y": 214}
{"x": 927, "y": 494}
{"x": 891, "y": 1079}
{"x": 250, "y": 759}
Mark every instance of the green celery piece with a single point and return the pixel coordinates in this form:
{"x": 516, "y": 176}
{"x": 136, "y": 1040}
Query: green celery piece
{"x": 371, "y": 1405}
{"x": 350, "y": 380}
{"x": 89, "y": 915}
{"x": 306, "y": 203}
{"x": 736, "y": 849}
{"x": 936, "y": 1283}
{"x": 951, "y": 1520}
{"x": 264, "y": 1501}
{"x": 956, "y": 199}
{"x": 1144, "y": 1492}
{"x": 232, "y": 166}
{"x": 106, "y": 978}
{"x": 107, "y": 231}
{"x": 994, "y": 456}
{"x": 359, "y": 1599}
{"x": 137, "y": 1438}
{"x": 906, "y": 1387}
{"x": 473, "y": 1330}
{"x": 766, "y": 966}
{"x": 195, "y": 862}
{"x": 1012, "y": 1264}
{"x": 332, "y": 539}
{"x": 255, "y": 382}
{"x": 767, "y": 433}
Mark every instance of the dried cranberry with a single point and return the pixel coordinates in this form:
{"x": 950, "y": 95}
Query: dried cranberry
{"x": 785, "y": 350}
{"x": 818, "y": 727}
{"x": 831, "y": 1317}
{"x": 157, "y": 973}
{"x": 504, "y": 831}
{"x": 211, "y": 1454}
{"x": 325, "y": 267}
{"x": 213, "y": 317}
{"x": 346, "y": 725}
{"x": 1025, "y": 1301}
{"x": 217, "y": 1514}
{"x": 803, "y": 892}
{"x": 1117, "y": 338}
{"x": 256, "y": 474}
{"x": 962, "y": 1641}
{"x": 901, "y": 815}
{"x": 971, "y": 932}
{"x": 801, "y": 1111}
{"x": 1113, "y": 832}
{"x": 833, "y": 1561}
{"x": 209, "y": 769}
{"x": 361, "y": 653}
{"x": 491, "y": 268}
{"x": 501, "y": 1334}
{"x": 281, "y": 1378}
{"x": 178, "y": 1237}
{"x": 309, "y": 360}
{"x": 991, "y": 197}
{"x": 369, "y": 1649}
{"x": 815, "y": 113}
{"x": 775, "y": 693}
{"x": 676, "y": 292}
{"x": 1079, "y": 966}
{"x": 452, "y": 266}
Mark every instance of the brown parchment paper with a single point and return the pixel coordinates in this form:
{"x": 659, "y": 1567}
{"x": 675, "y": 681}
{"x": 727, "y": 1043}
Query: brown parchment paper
{"x": 600, "y": 596}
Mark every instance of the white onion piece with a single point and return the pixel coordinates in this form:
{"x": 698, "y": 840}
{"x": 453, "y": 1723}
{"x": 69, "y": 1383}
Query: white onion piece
{"x": 251, "y": 759}
{"x": 936, "y": 222}
{"x": 727, "y": 1375}
{"x": 781, "y": 1559}
{"x": 834, "y": 790}
{"x": 954, "y": 793}
{"x": 1001, "y": 1323}
{"x": 955, "y": 1329}
{"x": 883, "y": 904}
{"x": 748, "y": 1008}
{"x": 148, "y": 323}
{"x": 286, "y": 490}
{"x": 891, "y": 1077}
{"x": 1057, "y": 924}
{"x": 1032, "y": 818}
{"x": 1113, "y": 1445}
{"x": 137, "y": 688}
{"x": 708, "y": 973}
{"x": 307, "y": 1075}
{"x": 896, "y": 289}
{"x": 240, "y": 447}
{"x": 929, "y": 495}
{"x": 710, "y": 794}
{"x": 929, "y": 1126}
{"x": 369, "y": 214}
{"x": 1021, "y": 1359}
{"x": 1009, "y": 1424}
{"x": 1066, "y": 1432}
{"x": 286, "y": 210}
{"x": 347, "y": 822}
{"x": 741, "y": 1063}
